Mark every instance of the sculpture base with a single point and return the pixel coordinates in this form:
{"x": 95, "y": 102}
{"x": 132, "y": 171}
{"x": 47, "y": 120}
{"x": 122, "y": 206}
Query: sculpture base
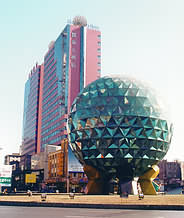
{"x": 97, "y": 185}
{"x": 146, "y": 181}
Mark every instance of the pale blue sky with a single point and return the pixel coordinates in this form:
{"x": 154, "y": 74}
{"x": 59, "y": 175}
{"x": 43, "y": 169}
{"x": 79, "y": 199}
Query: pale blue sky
{"x": 143, "y": 38}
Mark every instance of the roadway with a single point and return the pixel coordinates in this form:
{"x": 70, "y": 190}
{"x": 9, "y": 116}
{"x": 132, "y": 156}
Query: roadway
{"x": 45, "y": 212}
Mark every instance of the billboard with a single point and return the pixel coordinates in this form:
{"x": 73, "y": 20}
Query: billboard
{"x": 5, "y": 175}
{"x": 30, "y": 178}
{"x": 73, "y": 163}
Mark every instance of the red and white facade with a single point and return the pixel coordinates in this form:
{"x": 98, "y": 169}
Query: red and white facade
{"x": 72, "y": 61}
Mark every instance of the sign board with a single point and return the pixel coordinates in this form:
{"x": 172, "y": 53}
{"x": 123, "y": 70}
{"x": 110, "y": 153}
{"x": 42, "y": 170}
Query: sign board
{"x": 5, "y": 175}
{"x": 73, "y": 163}
{"x": 30, "y": 178}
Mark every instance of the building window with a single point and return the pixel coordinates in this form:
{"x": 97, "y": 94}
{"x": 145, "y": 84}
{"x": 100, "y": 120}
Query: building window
{"x": 99, "y": 56}
{"x": 73, "y": 42}
{"x": 74, "y": 34}
{"x": 99, "y": 64}
{"x": 99, "y": 43}
{"x": 99, "y": 70}
{"x": 99, "y": 49}
{"x": 73, "y": 65}
{"x": 99, "y": 36}
{"x": 73, "y": 57}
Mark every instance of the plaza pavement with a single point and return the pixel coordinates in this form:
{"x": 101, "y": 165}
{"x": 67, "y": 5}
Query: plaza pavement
{"x": 158, "y": 202}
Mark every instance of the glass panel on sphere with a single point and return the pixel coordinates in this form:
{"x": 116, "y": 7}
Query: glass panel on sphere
{"x": 93, "y": 87}
{"x": 152, "y": 135}
{"x": 99, "y": 132}
{"x": 85, "y": 94}
{"x": 79, "y": 126}
{"x": 105, "y": 119}
{"x": 93, "y": 93}
{"x": 153, "y": 121}
{"x": 111, "y": 122}
{"x": 84, "y": 135}
{"x": 128, "y": 156}
{"x": 142, "y": 93}
{"x": 91, "y": 122}
{"x": 92, "y": 156}
{"x": 113, "y": 146}
{"x": 106, "y": 134}
{"x": 131, "y": 100}
{"x": 109, "y": 83}
{"x": 102, "y": 100}
{"x": 88, "y": 123}
{"x": 126, "y": 83}
{"x": 74, "y": 108}
{"x": 88, "y": 103}
{"x": 85, "y": 148}
{"x": 165, "y": 136}
{"x": 118, "y": 133}
{"x": 164, "y": 124}
{"x": 100, "y": 85}
{"x": 75, "y": 124}
{"x": 126, "y": 100}
{"x": 99, "y": 156}
{"x": 126, "y": 122}
{"x": 112, "y": 131}
{"x": 114, "y": 92}
{"x": 137, "y": 131}
{"x": 103, "y": 92}
{"x": 132, "y": 92}
{"x": 132, "y": 120}
{"x": 83, "y": 123}
{"x": 108, "y": 163}
{"x": 92, "y": 147}
{"x": 148, "y": 131}
{"x": 158, "y": 133}
{"x": 159, "y": 124}
{"x": 88, "y": 132}
{"x": 79, "y": 135}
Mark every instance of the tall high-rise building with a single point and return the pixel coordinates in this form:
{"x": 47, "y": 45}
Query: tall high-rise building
{"x": 73, "y": 61}
{"x": 31, "y": 111}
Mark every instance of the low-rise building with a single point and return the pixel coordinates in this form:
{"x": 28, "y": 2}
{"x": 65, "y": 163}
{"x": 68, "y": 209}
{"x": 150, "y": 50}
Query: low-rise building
{"x": 14, "y": 160}
{"x": 170, "y": 173}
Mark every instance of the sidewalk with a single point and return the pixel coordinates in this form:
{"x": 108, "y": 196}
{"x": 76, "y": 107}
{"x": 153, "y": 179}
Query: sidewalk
{"x": 159, "y": 202}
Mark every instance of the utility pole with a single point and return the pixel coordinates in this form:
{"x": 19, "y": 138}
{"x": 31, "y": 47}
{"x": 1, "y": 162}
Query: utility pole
{"x": 67, "y": 172}
{"x": 65, "y": 163}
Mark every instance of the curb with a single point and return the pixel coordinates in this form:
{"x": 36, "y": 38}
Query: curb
{"x": 94, "y": 206}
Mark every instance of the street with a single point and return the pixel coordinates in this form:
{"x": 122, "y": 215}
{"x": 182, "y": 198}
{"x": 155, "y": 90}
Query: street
{"x": 45, "y": 212}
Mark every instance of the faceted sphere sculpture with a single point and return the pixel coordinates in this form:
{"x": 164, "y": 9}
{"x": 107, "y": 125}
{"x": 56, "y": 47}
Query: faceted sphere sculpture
{"x": 117, "y": 126}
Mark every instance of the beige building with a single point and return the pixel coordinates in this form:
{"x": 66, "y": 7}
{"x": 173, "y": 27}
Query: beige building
{"x": 40, "y": 160}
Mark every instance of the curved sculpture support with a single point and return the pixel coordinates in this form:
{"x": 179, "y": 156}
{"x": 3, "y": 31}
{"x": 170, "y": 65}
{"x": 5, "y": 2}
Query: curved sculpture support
{"x": 147, "y": 179}
{"x": 95, "y": 184}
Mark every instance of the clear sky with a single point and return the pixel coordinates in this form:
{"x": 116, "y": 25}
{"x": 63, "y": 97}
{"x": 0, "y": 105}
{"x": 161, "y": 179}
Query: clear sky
{"x": 143, "y": 38}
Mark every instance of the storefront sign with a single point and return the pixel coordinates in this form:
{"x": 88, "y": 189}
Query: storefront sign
{"x": 30, "y": 178}
{"x": 5, "y": 175}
